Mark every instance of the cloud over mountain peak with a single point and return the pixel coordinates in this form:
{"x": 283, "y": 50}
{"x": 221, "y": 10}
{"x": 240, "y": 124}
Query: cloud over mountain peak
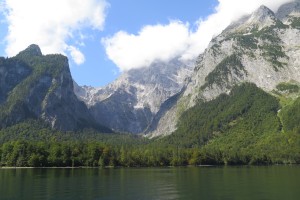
{"x": 177, "y": 39}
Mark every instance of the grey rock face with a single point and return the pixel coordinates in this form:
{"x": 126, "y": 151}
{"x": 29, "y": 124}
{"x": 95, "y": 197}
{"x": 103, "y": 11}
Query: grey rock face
{"x": 288, "y": 9}
{"x": 261, "y": 18}
{"x": 259, "y": 48}
{"x": 11, "y": 76}
{"x": 40, "y": 87}
{"x": 60, "y": 107}
{"x": 130, "y": 103}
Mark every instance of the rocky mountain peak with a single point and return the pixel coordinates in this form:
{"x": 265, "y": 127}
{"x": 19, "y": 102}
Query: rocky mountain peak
{"x": 259, "y": 19}
{"x": 130, "y": 102}
{"x": 32, "y": 50}
{"x": 258, "y": 48}
{"x": 288, "y": 9}
{"x": 262, "y": 12}
{"x": 34, "y": 86}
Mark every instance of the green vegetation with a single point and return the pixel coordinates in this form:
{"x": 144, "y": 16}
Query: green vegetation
{"x": 240, "y": 128}
{"x": 268, "y": 34}
{"x": 295, "y": 22}
{"x": 287, "y": 93}
{"x": 287, "y": 88}
{"x": 271, "y": 46}
{"x": 221, "y": 73}
{"x": 291, "y": 117}
{"x": 272, "y": 49}
{"x": 33, "y": 143}
{"x": 272, "y": 53}
{"x": 250, "y": 40}
{"x": 247, "y": 41}
{"x": 215, "y": 49}
{"x": 50, "y": 66}
{"x": 246, "y": 109}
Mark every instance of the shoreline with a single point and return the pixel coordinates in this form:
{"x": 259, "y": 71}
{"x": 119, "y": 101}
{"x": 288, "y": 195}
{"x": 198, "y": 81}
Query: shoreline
{"x": 118, "y": 167}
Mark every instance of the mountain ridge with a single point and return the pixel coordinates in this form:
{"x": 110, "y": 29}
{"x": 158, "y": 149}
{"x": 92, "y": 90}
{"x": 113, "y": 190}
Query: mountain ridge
{"x": 262, "y": 53}
{"x": 258, "y": 48}
{"x": 131, "y": 101}
{"x": 41, "y": 87}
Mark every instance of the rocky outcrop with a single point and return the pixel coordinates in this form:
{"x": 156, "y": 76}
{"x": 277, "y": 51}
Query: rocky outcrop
{"x": 288, "y": 10}
{"x": 41, "y": 87}
{"x": 130, "y": 103}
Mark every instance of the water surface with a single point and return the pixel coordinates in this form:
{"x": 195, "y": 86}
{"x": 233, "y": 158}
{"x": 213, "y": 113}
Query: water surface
{"x": 275, "y": 182}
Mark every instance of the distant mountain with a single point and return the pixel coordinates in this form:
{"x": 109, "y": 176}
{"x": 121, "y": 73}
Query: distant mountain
{"x": 262, "y": 48}
{"x": 130, "y": 103}
{"x": 33, "y": 86}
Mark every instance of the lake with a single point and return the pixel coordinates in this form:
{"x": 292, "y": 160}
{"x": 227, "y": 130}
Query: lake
{"x": 274, "y": 182}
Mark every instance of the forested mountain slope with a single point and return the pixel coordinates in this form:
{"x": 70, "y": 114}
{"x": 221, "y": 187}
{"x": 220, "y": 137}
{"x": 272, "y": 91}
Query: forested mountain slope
{"x": 41, "y": 87}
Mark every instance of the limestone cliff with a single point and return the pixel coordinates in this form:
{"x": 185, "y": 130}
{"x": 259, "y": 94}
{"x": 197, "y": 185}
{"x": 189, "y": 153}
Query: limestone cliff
{"x": 41, "y": 87}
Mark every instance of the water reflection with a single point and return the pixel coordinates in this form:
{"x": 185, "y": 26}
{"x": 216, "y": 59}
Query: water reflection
{"x": 277, "y": 182}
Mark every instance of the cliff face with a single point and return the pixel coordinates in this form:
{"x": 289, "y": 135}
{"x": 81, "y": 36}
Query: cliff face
{"x": 130, "y": 103}
{"x": 41, "y": 87}
{"x": 262, "y": 48}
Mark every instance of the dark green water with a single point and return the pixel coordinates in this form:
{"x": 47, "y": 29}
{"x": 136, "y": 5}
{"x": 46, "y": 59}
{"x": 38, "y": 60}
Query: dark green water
{"x": 242, "y": 183}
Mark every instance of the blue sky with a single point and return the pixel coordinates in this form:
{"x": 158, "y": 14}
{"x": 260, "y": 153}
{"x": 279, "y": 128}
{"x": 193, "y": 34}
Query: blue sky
{"x": 102, "y": 38}
{"x": 130, "y": 16}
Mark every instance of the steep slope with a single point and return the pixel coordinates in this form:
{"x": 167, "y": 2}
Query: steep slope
{"x": 259, "y": 48}
{"x": 246, "y": 110}
{"x": 130, "y": 103}
{"x": 247, "y": 126}
{"x": 287, "y": 11}
{"x": 40, "y": 87}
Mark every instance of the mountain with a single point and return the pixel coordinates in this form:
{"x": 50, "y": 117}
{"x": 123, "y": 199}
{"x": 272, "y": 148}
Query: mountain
{"x": 262, "y": 48}
{"x": 34, "y": 86}
{"x": 240, "y": 105}
{"x": 130, "y": 103}
{"x": 288, "y": 11}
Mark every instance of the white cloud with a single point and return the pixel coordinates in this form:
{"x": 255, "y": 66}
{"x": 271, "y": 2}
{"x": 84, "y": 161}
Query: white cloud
{"x": 152, "y": 43}
{"x": 227, "y": 11}
{"x": 77, "y": 56}
{"x": 166, "y": 42}
{"x": 52, "y": 24}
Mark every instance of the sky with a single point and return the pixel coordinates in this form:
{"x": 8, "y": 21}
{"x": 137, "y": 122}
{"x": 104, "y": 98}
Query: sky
{"x": 103, "y": 38}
